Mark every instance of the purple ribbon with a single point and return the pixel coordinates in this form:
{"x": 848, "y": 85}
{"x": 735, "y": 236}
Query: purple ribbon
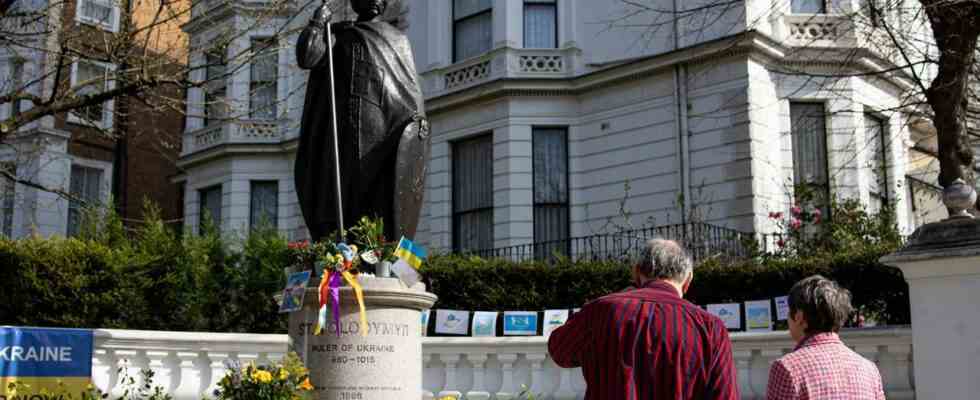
{"x": 334, "y": 285}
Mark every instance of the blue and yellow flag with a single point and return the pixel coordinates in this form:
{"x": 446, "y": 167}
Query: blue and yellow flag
{"x": 42, "y": 363}
{"x": 410, "y": 252}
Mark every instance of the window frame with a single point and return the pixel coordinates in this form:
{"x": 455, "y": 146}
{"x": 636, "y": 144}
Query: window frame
{"x": 455, "y": 215}
{"x": 884, "y": 193}
{"x": 112, "y": 26}
{"x": 108, "y": 116}
{"x": 101, "y": 195}
{"x": 8, "y": 201}
{"x": 455, "y": 21}
{"x": 252, "y": 223}
{"x": 823, "y": 8}
{"x": 219, "y": 187}
{"x": 566, "y": 204}
{"x": 273, "y": 48}
{"x": 209, "y": 96}
{"x": 827, "y": 192}
{"x": 554, "y": 4}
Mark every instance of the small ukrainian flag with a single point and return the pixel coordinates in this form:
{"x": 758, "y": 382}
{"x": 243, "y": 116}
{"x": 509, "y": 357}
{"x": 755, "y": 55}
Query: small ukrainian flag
{"x": 410, "y": 252}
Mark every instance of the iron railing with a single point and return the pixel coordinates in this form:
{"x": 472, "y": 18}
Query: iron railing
{"x": 700, "y": 239}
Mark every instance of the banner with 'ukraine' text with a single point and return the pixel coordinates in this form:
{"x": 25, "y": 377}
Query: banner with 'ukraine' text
{"x": 45, "y": 363}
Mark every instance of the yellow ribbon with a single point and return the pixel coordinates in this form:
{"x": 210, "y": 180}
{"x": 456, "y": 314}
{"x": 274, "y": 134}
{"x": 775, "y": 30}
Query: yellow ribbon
{"x": 360, "y": 299}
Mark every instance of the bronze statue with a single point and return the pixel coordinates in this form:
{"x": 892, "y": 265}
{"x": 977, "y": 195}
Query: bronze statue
{"x": 383, "y": 135}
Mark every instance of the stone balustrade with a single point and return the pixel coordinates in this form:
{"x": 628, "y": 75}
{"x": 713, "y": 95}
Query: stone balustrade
{"x": 188, "y": 365}
{"x": 501, "y": 63}
{"x": 232, "y": 132}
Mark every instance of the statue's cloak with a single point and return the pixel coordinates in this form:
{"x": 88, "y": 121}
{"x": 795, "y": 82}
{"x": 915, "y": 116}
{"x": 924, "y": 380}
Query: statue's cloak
{"x": 383, "y": 136}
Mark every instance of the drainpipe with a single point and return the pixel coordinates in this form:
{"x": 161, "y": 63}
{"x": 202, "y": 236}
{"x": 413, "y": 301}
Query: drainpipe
{"x": 680, "y": 99}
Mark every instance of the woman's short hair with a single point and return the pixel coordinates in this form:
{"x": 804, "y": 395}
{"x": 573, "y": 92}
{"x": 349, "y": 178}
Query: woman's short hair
{"x": 824, "y": 303}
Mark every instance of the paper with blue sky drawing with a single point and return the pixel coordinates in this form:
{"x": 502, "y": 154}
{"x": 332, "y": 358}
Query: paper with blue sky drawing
{"x": 758, "y": 315}
{"x": 452, "y": 322}
{"x": 485, "y": 324}
{"x": 730, "y": 314}
{"x": 520, "y": 323}
{"x": 425, "y": 321}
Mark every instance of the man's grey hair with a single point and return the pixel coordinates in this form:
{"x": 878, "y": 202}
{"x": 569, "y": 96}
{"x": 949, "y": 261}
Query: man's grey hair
{"x": 665, "y": 259}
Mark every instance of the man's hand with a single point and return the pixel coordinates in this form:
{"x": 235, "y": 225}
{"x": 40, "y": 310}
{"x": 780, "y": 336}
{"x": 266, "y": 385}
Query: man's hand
{"x": 322, "y": 15}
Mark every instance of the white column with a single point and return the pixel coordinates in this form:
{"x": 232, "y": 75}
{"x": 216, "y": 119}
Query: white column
{"x": 217, "y": 371}
{"x": 565, "y": 390}
{"x": 103, "y": 369}
{"x": 479, "y": 390}
{"x": 897, "y": 376}
{"x": 538, "y": 387}
{"x": 508, "y": 389}
{"x": 452, "y": 385}
{"x": 942, "y": 267}
{"x": 162, "y": 363}
{"x": 513, "y": 186}
{"x": 508, "y": 23}
{"x": 426, "y": 359}
{"x": 189, "y": 369}
{"x": 743, "y": 365}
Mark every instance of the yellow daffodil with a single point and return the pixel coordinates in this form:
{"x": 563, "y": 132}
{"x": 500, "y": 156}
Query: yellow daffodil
{"x": 306, "y": 385}
{"x": 263, "y": 376}
{"x": 283, "y": 374}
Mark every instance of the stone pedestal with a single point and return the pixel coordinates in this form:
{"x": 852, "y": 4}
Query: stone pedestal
{"x": 942, "y": 266}
{"x": 385, "y": 364}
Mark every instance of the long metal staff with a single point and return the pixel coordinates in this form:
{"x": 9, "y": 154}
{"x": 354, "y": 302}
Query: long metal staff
{"x": 341, "y": 237}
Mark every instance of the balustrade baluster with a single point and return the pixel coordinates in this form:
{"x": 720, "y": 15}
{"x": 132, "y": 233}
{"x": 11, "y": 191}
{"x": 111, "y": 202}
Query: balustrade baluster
{"x": 899, "y": 381}
{"x": 426, "y": 360}
{"x": 537, "y": 386}
{"x": 743, "y": 366}
{"x": 102, "y": 369}
{"x": 479, "y": 390}
{"x": 189, "y": 367}
{"x": 508, "y": 388}
{"x": 162, "y": 365}
{"x": 565, "y": 390}
{"x": 124, "y": 370}
{"x": 217, "y": 365}
{"x": 452, "y": 385}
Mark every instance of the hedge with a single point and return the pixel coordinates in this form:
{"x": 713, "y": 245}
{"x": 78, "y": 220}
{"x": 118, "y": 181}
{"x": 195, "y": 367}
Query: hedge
{"x": 475, "y": 284}
{"x": 157, "y": 279}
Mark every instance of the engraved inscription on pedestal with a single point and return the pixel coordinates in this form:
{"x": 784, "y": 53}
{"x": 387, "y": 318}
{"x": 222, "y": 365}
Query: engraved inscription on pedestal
{"x": 384, "y": 364}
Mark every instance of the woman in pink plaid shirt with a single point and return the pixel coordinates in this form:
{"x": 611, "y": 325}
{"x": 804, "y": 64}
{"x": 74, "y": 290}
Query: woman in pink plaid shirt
{"x": 821, "y": 367}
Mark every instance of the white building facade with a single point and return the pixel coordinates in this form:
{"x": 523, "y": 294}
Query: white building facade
{"x": 554, "y": 119}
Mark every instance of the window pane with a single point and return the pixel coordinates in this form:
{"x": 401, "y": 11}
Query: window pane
{"x": 210, "y": 207}
{"x": 264, "y": 204}
{"x": 264, "y": 71}
{"x": 473, "y": 194}
{"x": 17, "y": 80}
{"x": 550, "y": 160}
{"x": 809, "y": 143}
{"x": 97, "y": 10}
{"x": 465, "y": 8}
{"x": 540, "y": 26}
{"x": 550, "y": 166}
{"x": 809, "y": 7}
{"x": 214, "y": 88}
{"x": 876, "y": 139}
{"x": 85, "y": 186}
{"x": 92, "y": 77}
{"x": 7, "y": 196}
{"x": 473, "y": 36}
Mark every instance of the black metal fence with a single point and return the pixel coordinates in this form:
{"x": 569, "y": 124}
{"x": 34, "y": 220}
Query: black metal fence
{"x": 701, "y": 240}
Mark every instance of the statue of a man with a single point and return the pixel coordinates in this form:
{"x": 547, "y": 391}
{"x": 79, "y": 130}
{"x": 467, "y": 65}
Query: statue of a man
{"x": 382, "y": 130}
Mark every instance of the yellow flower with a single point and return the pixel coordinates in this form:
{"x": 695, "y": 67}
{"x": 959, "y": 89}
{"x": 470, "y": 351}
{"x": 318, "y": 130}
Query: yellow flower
{"x": 283, "y": 374}
{"x": 262, "y": 376}
{"x": 306, "y": 385}
{"x": 353, "y": 248}
{"x": 448, "y": 397}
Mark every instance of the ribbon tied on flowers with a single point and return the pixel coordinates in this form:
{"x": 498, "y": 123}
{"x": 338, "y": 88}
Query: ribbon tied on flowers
{"x": 339, "y": 267}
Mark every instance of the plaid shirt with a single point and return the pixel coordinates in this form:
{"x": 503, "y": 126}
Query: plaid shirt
{"x": 647, "y": 343}
{"x": 823, "y": 368}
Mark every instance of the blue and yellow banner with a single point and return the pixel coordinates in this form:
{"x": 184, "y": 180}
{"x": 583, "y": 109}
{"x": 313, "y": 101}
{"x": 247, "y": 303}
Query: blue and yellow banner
{"x": 44, "y": 363}
{"x": 412, "y": 253}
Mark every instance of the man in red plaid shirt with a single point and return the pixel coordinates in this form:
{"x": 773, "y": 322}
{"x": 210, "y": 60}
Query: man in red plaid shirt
{"x": 649, "y": 343}
{"x": 821, "y": 367}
